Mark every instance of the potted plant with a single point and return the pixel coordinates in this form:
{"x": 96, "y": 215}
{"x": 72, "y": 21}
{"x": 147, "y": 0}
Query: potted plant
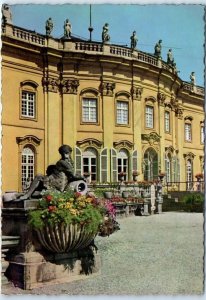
{"x": 122, "y": 176}
{"x": 66, "y": 221}
{"x": 199, "y": 176}
{"x": 87, "y": 176}
{"x": 161, "y": 175}
{"x": 135, "y": 175}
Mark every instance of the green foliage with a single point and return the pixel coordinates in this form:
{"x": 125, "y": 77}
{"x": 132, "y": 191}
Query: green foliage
{"x": 68, "y": 208}
{"x": 193, "y": 198}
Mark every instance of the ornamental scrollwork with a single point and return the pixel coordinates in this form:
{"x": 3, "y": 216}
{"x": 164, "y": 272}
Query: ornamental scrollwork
{"x": 50, "y": 84}
{"x": 151, "y": 138}
{"x": 161, "y": 97}
{"x": 136, "y": 92}
{"x": 69, "y": 86}
{"x": 107, "y": 88}
{"x": 179, "y": 113}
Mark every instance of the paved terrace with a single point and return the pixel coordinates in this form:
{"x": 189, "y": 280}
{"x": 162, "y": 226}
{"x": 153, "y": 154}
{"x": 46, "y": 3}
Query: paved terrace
{"x": 154, "y": 255}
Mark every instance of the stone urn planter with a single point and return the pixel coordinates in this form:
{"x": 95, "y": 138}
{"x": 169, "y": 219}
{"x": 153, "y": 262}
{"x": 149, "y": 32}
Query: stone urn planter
{"x": 125, "y": 194}
{"x": 61, "y": 238}
{"x": 108, "y": 195}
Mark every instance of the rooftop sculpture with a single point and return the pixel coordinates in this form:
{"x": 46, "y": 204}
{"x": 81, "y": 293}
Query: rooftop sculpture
{"x": 67, "y": 29}
{"x": 158, "y": 49}
{"x": 6, "y": 14}
{"x": 49, "y": 26}
{"x": 105, "y": 33}
{"x": 134, "y": 40}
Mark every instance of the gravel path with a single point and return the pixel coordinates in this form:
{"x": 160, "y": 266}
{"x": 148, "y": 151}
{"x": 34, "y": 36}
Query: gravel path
{"x": 154, "y": 255}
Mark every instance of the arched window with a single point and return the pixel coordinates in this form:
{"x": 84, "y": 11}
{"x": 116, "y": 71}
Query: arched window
{"x": 27, "y": 167}
{"x": 122, "y": 163}
{"x": 150, "y": 164}
{"x": 89, "y": 157}
{"x": 189, "y": 174}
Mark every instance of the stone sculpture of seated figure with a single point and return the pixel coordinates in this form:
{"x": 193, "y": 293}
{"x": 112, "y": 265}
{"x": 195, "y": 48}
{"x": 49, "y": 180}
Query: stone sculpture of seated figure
{"x": 58, "y": 176}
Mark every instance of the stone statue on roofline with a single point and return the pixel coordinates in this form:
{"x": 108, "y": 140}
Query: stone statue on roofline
{"x": 6, "y": 14}
{"x": 67, "y": 29}
{"x": 158, "y": 49}
{"x": 192, "y": 78}
{"x": 105, "y": 33}
{"x": 49, "y": 26}
{"x": 170, "y": 58}
{"x": 59, "y": 177}
{"x": 134, "y": 40}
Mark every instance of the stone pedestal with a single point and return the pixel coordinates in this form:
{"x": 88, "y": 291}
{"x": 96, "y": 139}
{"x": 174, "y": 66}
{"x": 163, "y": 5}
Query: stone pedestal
{"x": 146, "y": 210}
{"x": 31, "y": 270}
{"x": 160, "y": 201}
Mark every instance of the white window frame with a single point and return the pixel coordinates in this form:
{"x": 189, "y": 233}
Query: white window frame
{"x": 90, "y": 154}
{"x": 123, "y": 163}
{"x": 202, "y": 134}
{"x": 28, "y": 104}
{"x": 149, "y": 116}
{"x": 27, "y": 167}
{"x": 88, "y": 109}
{"x": 188, "y": 132}
{"x": 167, "y": 121}
{"x": 122, "y": 112}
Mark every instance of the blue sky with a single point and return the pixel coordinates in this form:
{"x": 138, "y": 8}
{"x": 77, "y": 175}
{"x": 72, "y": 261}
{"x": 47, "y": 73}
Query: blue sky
{"x": 181, "y": 27}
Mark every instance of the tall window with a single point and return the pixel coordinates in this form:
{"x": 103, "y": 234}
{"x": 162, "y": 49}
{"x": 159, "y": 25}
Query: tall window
{"x": 188, "y": 132}
{"x": 122, "y": 112}
{"x": 90, "y": 163}
{"x": 89, "y": 110}
{"x": 189, "y": 174}
{"x": 27, "y": 167}
{"x": 149, "y": 117}
{"x": 167, "y": 121}
{"x": 168, "y": 167}
{"x": 202, "y": 134}
{"x": 28, "y": 104}
{"x": 150, "y": 164}
{"x": 122, "y": 163}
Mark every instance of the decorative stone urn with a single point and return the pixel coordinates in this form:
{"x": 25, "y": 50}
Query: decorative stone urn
{"x": 61, "y": 238}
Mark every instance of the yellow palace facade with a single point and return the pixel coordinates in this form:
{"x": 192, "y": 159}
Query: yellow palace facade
{"x": 120, "y": 111}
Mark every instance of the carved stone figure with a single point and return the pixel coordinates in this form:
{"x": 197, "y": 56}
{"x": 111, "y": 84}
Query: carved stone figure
{"x": 170, "y": 58}
{"x": 49, "y": 26}
{"x": 158, "y": 49}
{"x": 67, "y": 29}
{"x": 192, "y": 78}
{"x": 58, "y": 176}
{"x": 6, "y": 14}
{"x": 105, "y": 34}
{"x": 133, "y": 40}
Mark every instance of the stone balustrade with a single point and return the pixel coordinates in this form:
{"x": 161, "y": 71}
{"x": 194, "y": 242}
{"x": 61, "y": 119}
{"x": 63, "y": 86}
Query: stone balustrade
{"x": 81, "y": 46}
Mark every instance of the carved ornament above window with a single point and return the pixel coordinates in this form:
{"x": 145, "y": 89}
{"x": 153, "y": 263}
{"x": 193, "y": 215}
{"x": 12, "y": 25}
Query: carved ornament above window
{"x": 123, "y": 144}
{"x": 151, "y": 138}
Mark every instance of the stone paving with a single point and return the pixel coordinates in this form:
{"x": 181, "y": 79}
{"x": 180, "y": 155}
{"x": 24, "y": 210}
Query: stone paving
{"x": 154, "y": 255}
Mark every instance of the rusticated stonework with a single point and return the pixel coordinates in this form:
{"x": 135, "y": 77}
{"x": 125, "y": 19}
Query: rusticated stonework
{"x": 69, "y": 86}
{"x": 50, "y": 84}
{"x": 161, "y": 97}
{"x": 136, "y": 92}
{"x": 107, "y": 88}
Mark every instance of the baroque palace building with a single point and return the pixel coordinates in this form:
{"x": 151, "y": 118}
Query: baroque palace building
{"x": 120, "y": 109}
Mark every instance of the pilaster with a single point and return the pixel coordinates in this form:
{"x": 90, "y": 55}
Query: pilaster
{"x": 161, "y": 97}
{"x": 69, "y": 111}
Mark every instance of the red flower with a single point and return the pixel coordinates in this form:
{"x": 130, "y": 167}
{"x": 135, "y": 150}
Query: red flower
{"x": 51, "y": 208}
{"x": 77, "y": 195}
{"x": 49, "y": 198}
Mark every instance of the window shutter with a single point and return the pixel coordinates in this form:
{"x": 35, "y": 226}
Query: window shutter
{"x": 113, "y": 165}
{"x": 178, "y": 169}
{"x": 133, "y": 163}
{"x": 103, "y": 166}
{"x": 78, "y": 161}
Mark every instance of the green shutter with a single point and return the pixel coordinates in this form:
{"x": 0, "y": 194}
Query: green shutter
{"x": 113, "y": 165}
{"x": 78, "y": 161}
{"x": 103, "y": 166}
